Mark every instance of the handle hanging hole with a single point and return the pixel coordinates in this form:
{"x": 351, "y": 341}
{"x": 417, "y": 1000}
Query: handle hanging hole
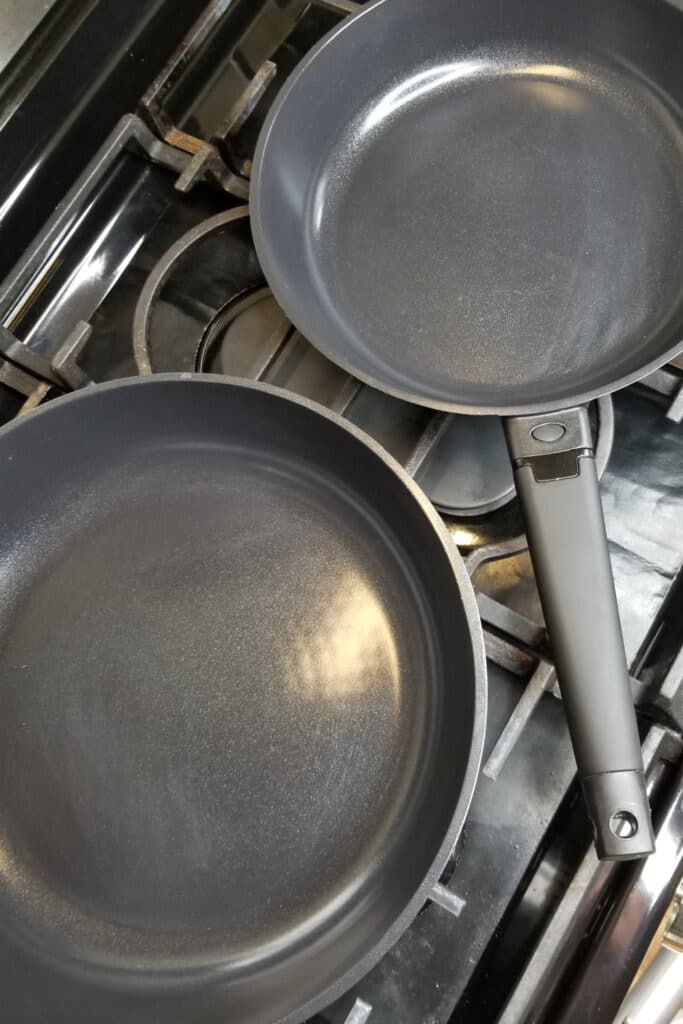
{"x": 623, "y": 824}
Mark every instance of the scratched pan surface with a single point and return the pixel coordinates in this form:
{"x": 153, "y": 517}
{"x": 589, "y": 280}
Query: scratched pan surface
{"x": 241, "y": 705}
{"x": 478, "y": 206}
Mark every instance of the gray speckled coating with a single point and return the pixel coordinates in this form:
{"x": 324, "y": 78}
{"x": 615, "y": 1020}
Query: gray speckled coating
{"x": 478, "y": 206}
{"x": 241, "y": 711}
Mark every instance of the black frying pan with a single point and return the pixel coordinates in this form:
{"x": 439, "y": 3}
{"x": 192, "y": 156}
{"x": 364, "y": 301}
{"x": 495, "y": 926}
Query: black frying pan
{"x": 242, "y": 705}
{"x": 478, "y": 206}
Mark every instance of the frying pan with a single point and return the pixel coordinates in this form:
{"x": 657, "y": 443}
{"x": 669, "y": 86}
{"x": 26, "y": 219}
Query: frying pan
{"x": 478, "y": 206}
{"x": 242, "y": 705}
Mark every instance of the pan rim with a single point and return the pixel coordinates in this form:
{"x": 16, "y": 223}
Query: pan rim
{"x": 281, "y": 292}
{"x": 479, "y": 681}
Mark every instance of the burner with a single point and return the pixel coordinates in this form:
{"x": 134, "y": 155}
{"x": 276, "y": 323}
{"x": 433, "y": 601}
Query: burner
{"x": 244, "y": 336}
{"x": 209, "y": 268}
{"x": 468, "y": 473}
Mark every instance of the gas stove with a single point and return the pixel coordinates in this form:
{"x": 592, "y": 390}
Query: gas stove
{"x": 128, "y": 250}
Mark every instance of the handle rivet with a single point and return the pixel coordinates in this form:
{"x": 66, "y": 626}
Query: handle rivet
{"x": 548, "y": 432}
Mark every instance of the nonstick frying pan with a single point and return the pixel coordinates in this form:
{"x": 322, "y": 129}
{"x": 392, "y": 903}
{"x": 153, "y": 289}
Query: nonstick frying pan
{"x": 478, "y": 206}
{"x": 242, "y": 705}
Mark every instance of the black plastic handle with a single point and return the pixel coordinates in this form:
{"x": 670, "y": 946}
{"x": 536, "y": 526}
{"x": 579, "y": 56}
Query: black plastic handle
{"x": 558, "y": 487}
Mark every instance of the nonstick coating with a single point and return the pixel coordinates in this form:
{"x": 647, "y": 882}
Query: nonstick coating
{"x": 478, "y": 205}
{"x": 241, "y": 705}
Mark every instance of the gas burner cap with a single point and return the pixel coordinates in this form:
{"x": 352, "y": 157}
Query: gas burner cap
{"x": 469, "y": 472}
{"x": 244, "y": 335}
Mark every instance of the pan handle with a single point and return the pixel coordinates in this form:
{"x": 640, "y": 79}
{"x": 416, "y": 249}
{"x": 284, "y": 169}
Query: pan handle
{"x": 555, "y": 476}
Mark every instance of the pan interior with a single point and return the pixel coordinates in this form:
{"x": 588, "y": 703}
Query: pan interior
{"x": 222, "y": 692}
{"x": 495, "y": 226}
